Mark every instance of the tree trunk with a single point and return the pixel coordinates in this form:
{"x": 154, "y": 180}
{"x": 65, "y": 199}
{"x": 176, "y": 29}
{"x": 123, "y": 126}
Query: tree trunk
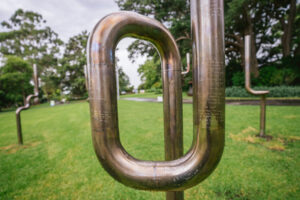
{"x": 286, "y": 38}
{"x": 24, "y": 99}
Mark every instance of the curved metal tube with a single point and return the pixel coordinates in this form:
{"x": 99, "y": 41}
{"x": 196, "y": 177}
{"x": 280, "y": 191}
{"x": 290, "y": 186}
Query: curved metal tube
{"x": 209, "y": 101}
{"x": 18, "y": 116}
{"x": 188, "y": 66}
{"x": 209, "y": 98}
{"x": 261, "y": 93}
{"x": 247, "y": 69}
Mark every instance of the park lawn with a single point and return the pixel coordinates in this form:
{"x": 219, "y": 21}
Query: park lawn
{"x": 57, "y": 160}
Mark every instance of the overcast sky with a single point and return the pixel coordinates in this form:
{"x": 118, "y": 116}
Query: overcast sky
{"x": 70, "y": 17}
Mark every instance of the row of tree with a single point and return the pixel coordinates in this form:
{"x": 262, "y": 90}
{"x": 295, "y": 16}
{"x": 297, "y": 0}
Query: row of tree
{"x": 274, "y": 27}
{"x": 26, "y": 40}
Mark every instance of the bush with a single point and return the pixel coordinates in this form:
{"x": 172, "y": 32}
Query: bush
{"x": 238, "y": 79}
{"x": 277, "y": 91}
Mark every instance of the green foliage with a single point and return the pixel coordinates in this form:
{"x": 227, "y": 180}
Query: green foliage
{"x": 71, "y": 71}
{"x": 29, "y": 38}
{"x": 124, "y": 83}
{"x": 238, "y": 79}
{"x": 15, "y": 78}
{"x": 231, "y": 69}
{"x": 51, "y": 85}
{"x": 175, "y": 14}
{"x": 150, "y": 73}
{"x": 277, "y": 91}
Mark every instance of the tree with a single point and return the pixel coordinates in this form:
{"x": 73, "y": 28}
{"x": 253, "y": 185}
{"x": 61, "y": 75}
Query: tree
{"x": 285, "y": 13}
{"x": 150, "y": 73}
{"x": 124, "y": 83}
{"x": 71, "y": 71}
{"x": 15, "y": 78}
{"x": 175, "y": 14}
{"x": 245, "y": 17}
{"x": 51, "y": 85}
{"x": 29, "y": 38}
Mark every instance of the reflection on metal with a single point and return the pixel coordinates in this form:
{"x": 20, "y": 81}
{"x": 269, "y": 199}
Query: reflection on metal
{"x": 118, "y": 84}
{"x": 179, "y": 171}
{"x": 86, "y": 78}
{"x": 254, "y": 92}
{"x": 85, "y": 68}
{"x": 188, "y": 65}
{"x": 18, "y": 116}
{"x": 36, "y": 84}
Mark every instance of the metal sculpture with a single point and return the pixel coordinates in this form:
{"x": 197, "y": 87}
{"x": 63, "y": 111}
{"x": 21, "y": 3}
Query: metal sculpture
{"x": 179, "y": 171}
{"x": 261, "y": 93}
{"x": 36, "y": 84}
{"x": 188, "y": 65}
{"x": 18, "y": 116}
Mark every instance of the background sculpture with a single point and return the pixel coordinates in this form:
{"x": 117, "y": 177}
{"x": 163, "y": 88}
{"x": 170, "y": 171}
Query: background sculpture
{"x": 18, "y": 117}
{"x": 36, "y": 84}
{"x": 261, "y": 93}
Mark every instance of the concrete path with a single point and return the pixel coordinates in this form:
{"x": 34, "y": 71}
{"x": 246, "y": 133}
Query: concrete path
{"x": 274, "y": 102}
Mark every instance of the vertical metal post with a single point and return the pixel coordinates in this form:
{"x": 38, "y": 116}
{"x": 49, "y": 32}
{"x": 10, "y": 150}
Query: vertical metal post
{"x": 19, "y": 128}
{"x": 262, "y": 115}
{"x": 36, "y": 84}
{"x": 174, "y": 150}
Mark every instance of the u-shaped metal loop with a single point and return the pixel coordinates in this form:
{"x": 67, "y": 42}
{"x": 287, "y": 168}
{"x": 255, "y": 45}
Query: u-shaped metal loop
{"x": 208, "y": 142}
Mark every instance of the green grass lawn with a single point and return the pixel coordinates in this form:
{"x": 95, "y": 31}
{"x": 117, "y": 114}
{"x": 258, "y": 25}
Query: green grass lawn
{"x": 57, "y": 160}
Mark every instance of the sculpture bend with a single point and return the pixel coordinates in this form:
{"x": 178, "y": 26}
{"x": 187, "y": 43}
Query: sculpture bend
{"x": 18, "y": 116}
{"x": 247, "y": 69}
{"x": 178, "y": 172}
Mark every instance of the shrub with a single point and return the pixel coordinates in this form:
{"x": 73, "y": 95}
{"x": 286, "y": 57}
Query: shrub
{"x": 276, "y": 91}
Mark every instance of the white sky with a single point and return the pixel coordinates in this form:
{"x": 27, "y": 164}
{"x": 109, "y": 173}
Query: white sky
{"x": 70, "y": 17}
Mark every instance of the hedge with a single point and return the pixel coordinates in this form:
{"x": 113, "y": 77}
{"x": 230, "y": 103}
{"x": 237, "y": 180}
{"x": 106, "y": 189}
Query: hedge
{"x": 276, "y": 91}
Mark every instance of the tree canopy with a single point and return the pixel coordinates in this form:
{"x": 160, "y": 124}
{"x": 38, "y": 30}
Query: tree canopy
{"x": 273, "y": 26}
{"x": 15, "y": 78}
{"x": 27, "y": 36}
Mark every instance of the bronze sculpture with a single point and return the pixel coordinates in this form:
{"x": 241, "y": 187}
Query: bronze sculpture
{"x": 261, "y": 93}
{"x": 36, "y": 84}
{"x": 179, "y": 171}
{"x": 18, "y": 116}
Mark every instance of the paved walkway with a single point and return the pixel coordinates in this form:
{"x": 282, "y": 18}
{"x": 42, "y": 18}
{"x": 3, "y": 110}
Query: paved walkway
{"x": 275, "y": 102}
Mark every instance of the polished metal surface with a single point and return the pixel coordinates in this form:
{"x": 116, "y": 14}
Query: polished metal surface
{"x": 86, "y": 77}
{"x": 178, "y": 172}
{"x": 36, "y": 84}
{"x": 261, "y": 93}
{"x": 188, "y": 65}
{"x": 18, "y": 116}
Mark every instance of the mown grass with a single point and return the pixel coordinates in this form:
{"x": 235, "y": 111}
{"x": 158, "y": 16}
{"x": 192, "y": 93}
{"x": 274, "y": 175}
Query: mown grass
{"x": 58, "y": 160}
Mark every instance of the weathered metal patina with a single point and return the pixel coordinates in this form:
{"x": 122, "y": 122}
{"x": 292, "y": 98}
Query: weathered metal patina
{"x": 178, "y": 172}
